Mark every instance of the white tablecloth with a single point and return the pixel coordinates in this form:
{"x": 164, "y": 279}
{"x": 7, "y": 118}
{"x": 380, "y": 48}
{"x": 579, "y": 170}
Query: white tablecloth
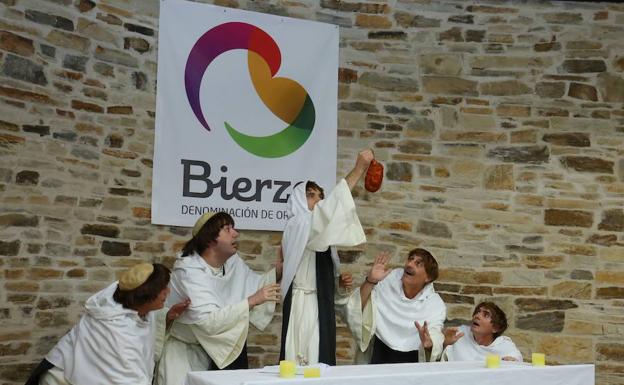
{"x": 435, "y": 373}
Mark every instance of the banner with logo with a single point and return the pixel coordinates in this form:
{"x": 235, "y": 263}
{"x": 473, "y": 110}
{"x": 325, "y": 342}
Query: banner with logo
{"x": 245, "y": 109}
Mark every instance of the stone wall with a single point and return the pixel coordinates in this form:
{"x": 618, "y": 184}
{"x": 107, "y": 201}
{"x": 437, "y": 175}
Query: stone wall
{"x": 500, "y": 124}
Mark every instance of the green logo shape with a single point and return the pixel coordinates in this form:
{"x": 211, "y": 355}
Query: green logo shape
{"x": 282, "y": 143}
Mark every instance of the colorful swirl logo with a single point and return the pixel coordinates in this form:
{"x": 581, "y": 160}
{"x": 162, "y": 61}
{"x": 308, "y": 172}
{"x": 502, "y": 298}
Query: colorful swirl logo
{"x": 286, "y": 98}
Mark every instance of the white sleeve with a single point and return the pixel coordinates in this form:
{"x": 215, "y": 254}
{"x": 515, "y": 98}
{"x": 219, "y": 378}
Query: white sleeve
{"x": 260, "y": 316}
{"x": 335, "y": 221}
{"x": 435, "y": 324}
{"x": 222, "y": 333}
{"x": 160, "y": 334}
{"x": 360, "y": 322}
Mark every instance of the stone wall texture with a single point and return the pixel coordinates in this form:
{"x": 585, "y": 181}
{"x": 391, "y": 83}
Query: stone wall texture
{"x": 500, "y": 124}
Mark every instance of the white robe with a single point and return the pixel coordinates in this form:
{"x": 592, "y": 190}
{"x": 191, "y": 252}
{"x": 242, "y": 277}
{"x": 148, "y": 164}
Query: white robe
{"x": 467, "y": 349}
{"x": 332, "y": 222}
{"x": 109, "y": 345}
{"x": 390, "y": 316}
{"x": 214, "y": 328}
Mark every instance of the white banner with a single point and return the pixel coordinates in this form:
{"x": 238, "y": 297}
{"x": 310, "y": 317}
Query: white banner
{"x": 245, "y": 108}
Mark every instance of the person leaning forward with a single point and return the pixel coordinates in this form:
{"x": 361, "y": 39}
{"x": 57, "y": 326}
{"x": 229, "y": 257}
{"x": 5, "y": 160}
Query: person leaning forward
{"x": 483, "y": 336}
{"x": 226, "y": 296}
{"x": 120, "y": 336}
{"x": 387, "y": 311}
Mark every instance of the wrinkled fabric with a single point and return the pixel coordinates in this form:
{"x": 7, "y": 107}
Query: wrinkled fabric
{"x": 109, "y": 345}
{"x": 333, "y": 222}
{"x": 389, "y": 315}
{"x": 214, "y": 328}
{"x": 467, "y": 349}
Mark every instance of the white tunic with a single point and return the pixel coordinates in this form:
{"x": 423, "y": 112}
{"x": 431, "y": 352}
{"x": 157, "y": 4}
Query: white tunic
{"x": 109, "y": 345}
{"x": 390, "y": 316}
{"x": 333, "y": 222}
{"x": 213, "y": 330}
{"x": 467, "y": 349}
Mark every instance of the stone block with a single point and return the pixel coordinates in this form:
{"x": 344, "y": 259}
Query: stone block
{"x": 550, "y": 322}
{"x": 583, "y": 92}
{"x": 521, "y": 154}
{"x": 441, "y": 64}
{"x": 16, "y": 44}
{"x": 587, "y": 164}
{"x": 23, "y": 69}
{"x": 612, "y": 220}
{"x": 449, "y": 85}
{"x": 577, "y": 218}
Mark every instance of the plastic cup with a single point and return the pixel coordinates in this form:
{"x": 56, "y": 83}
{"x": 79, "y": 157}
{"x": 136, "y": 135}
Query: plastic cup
{"x": 287, "y": 369}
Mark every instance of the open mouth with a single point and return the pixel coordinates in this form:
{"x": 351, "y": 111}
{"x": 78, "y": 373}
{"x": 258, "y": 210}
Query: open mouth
{"x": 408, "y": 272}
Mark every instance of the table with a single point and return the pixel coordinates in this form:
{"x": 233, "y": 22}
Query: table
{"x": 431, "y": 373}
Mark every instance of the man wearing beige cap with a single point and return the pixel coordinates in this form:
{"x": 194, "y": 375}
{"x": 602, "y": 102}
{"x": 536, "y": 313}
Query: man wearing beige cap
{"x": 226, "y": 296}
{"x": 119, "y": 338}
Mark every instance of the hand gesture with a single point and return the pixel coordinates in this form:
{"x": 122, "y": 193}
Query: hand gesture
{"x": 270, "y": 292}
{"x": 425, "y": 338}
{"x": 176, "y": 310}
{"x": 364, "y": 158}
{"x": 345, "y": 281}
{"x": 451, "y": 336}
{"x": 379, "y": 271}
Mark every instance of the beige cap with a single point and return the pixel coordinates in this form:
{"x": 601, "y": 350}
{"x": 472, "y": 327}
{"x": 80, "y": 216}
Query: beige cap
{"x": 135, "y": 276}
{"x": 201, "y": 221}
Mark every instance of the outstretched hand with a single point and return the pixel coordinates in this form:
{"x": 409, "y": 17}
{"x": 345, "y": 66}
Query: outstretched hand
{"x": 380, "y": 270}
{"x": 345, "y": 281}
{"x": 364, "y": 158}
{"x": 451, "y": 336}
{"x": 270, "y": 292}
{"x": 423, "y": 332}
{"x": 176, "y": 310}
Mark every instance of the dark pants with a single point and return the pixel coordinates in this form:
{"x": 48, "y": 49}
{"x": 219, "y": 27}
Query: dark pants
{"x": 383, "y": 354}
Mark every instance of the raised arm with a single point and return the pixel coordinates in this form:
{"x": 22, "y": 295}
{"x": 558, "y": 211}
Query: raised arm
{"x": 362, "y": 162}
{"x": 378, "y": 272}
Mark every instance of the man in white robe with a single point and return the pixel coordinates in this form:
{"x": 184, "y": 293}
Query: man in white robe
{"x": 119, "y": 338}
{"x": 311, "y": 265}
{"x": 390, "y": 312}
{"x": 484, "y": 336}
{"x": 226, "y": 296}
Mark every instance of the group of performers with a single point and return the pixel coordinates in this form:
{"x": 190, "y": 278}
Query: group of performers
{"x": 156, "y": 325}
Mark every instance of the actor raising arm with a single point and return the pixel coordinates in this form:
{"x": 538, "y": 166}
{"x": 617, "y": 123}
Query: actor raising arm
{"x": 389, "y": 304}
{"x": 316, "y": 225}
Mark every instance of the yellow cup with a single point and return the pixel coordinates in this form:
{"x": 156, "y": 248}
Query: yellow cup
{"x": 538, "y": 359}
{"x": 311, "y": 372}
{"x": 492, "y": 361}
{"x": 287, "y": 369}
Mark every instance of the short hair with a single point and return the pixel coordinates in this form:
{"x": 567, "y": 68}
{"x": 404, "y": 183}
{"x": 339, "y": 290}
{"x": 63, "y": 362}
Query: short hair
{"x": 208, "y": 233}
{"x": 499, "y": 319}
{"x": 147, "y": 291}
{"x": 431, "y": 265}
{"x": 311, "y": 185}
